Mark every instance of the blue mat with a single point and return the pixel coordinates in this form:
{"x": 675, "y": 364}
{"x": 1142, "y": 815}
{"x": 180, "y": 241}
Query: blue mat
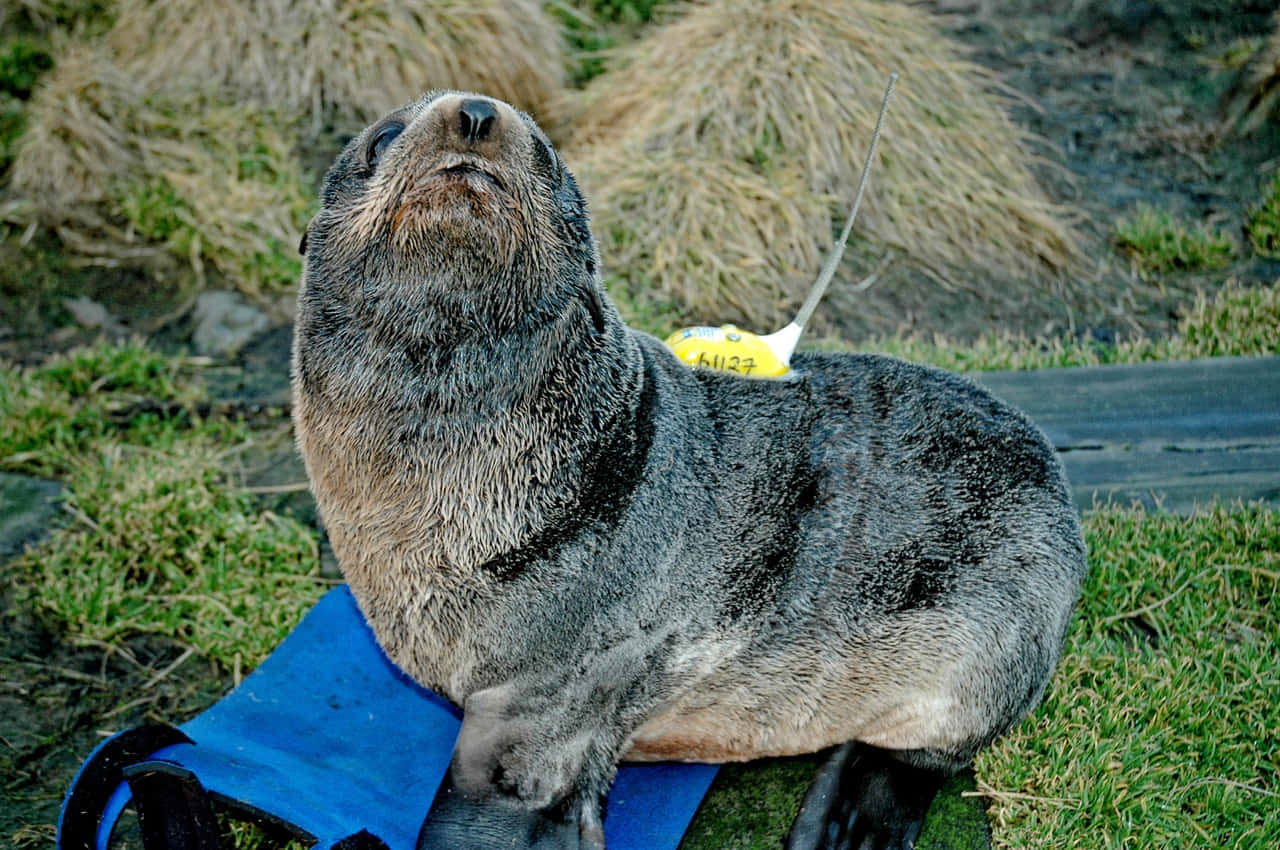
{"x": 330, "y": 737}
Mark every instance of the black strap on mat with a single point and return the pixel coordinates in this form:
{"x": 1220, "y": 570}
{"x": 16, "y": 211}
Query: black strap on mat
{"x": 173, "y": 808}
{"x": 174, "y": 811}
{"x": 99, "y": 779}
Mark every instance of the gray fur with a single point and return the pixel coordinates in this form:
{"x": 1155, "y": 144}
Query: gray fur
{"x": 600, "y": 553}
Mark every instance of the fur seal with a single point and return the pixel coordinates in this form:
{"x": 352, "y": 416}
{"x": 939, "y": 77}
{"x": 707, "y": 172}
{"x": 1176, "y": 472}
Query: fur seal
{"x": 601, "y": 554}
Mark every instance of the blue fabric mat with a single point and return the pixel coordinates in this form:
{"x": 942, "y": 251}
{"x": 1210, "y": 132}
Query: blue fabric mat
{"x": 328, "y": 735}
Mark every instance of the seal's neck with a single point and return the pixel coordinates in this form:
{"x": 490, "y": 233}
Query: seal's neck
{"x": 444, "y": 453}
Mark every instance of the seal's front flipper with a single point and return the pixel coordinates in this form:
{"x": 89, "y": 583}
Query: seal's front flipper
{"x": 457, "y": 821}
{"x": 864, "y": 798}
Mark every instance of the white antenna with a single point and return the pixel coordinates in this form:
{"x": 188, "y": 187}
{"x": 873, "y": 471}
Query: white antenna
{"x": 783, "y": 342}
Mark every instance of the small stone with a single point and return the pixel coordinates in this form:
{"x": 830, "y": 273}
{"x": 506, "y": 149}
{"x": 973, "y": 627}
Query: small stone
{"x": 89, "y": 313}
{"x": 28, "y": 511}
{"x": 225, "y": 323}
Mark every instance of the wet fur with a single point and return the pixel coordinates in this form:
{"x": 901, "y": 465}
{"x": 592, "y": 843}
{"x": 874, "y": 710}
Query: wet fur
{"x": 601, "y": 554}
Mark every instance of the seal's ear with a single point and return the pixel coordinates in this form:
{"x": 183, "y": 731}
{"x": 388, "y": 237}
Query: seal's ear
{"x": 302, "y": 243}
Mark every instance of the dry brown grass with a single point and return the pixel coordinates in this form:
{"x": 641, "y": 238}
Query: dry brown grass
{"x": 125, "y": 177}
{"x": 174, "y": 136}
{"x": 705, "y": 232}
{"x": 347, "y": 59}
{"x": 1256, "y": 98}
{"x": 782, "y": 96}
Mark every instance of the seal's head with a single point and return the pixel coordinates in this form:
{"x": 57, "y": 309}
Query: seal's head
{"x": 454, "y": 206}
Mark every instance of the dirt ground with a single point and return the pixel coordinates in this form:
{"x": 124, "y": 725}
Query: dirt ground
{"x": 1124, "y": 93}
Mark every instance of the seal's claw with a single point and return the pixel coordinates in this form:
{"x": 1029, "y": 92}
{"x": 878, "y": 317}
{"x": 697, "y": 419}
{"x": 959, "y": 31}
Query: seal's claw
{"x": 863, "y": 798}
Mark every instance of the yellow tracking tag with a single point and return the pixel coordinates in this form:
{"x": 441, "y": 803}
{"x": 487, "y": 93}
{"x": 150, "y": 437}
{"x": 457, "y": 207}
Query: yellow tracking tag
{"x": 727, "y": 349}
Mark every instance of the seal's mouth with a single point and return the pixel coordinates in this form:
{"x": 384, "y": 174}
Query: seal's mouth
{"x": 450, "y": 191}
{"x": 470, "y": 173}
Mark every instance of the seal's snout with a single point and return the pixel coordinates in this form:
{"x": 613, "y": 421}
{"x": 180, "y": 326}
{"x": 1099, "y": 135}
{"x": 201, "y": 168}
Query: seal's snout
{"x": 476, "y": 119}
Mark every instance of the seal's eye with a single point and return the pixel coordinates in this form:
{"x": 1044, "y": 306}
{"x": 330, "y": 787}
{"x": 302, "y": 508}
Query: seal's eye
{"x": 386, "y": 135}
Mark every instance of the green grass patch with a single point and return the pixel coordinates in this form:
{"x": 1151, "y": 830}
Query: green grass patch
{"x": 159, "y": 544}
{"x": 1236, "y": 321}
{"x": 632, "y": 11}
{"x": 22, "y": 61}
{"x": 1159, "y": 729}
{"x": 750, "y": 805}
{"x": 956, "y": 820}
{"x": 1158, "y": 244}
{"x": 591, "y": 28}
{"x": 1263, "y": 225}
{"x": 53, "y": 414}
{"x": 244, "y": 835}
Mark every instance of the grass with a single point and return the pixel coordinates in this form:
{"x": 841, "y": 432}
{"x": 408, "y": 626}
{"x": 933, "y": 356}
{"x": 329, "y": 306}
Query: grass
{"x": 592, "y": 28}
{"x": 128, "y": 176}
{"x": 1157, "y": 243}
{"x": 346, "y": 62}
{"x": 1159, "y": 728}
{"x": 22, "y": 62}
{"x": 748, "y": 803}
{"x": 159, "y": 542}
{"x": 174, "y": 139}
{"x": 1235, "y": 321}
{"x": 727, "y": 203}
{"x": 1263, "y": 225}
{"x": 632, "y": 11}
{"x": 1154, "y": 733}
{"x": 69, "y": 16}
{"x": 51, "y": 416}
{"x": 1256, "y": 98}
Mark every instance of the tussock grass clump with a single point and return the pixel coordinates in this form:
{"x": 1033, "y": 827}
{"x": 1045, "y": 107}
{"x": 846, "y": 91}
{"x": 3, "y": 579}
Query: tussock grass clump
{"x": 1158, "y": 728}
{"x": 1256, "y": 97}
{"x": 1237, "y": 321}
{"x": 172, "y": 140}
{"x": 1157, "y": 243}
{"x": 158, "y": 545}
{"x": 127, "y": 176}
{"x": 344, "y": 59}
{"x": 727, "y": 239}
{"x": 788, "y": 92}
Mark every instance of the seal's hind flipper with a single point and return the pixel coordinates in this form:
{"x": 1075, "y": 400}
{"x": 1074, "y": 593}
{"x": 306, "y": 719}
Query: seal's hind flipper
{"x": 864, "y": 798}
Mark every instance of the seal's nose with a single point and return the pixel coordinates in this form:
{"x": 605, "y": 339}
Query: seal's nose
{"x": 476, "y": 119}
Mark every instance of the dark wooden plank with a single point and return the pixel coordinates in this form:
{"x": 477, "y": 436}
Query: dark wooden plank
{"x": 1176, "y": 434}
{"x": 1223, "y": 399}
{"x": 1175, "y": 480}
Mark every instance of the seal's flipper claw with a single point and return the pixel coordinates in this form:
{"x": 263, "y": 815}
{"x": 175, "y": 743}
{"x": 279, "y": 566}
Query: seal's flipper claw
{"x": 864, "y": 798}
